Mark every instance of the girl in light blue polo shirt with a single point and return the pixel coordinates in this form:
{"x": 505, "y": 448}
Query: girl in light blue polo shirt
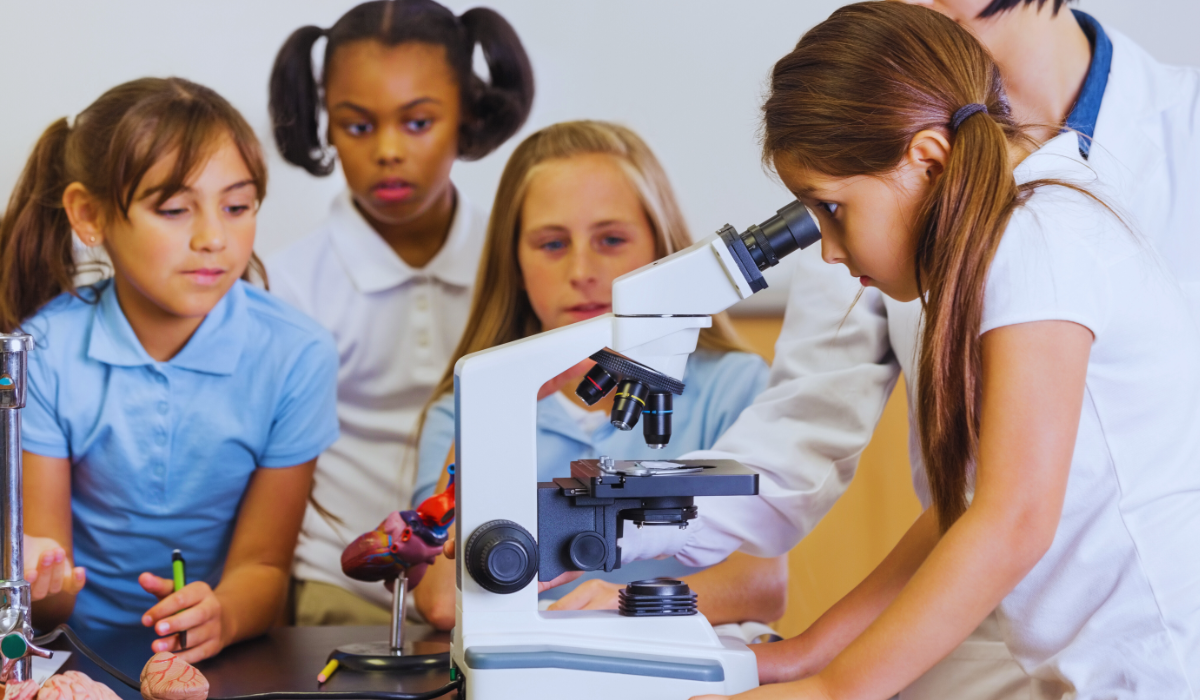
{"x": 580, "y": 204}
{"x": 173, "y": 406}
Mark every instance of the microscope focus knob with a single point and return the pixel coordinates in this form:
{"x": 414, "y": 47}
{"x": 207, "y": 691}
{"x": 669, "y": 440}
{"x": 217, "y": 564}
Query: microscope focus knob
{"x": 502, "y": 556}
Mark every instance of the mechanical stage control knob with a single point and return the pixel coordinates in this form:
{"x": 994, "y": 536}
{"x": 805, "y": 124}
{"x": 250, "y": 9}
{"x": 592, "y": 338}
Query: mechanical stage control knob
{"x": 502, "y": 556}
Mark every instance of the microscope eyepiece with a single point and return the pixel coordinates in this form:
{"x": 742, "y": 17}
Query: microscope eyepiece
{"x": 791, "y": 229}
{"x": 630, "y": 400}
{"x": 656, "y": 425}
{"x": 595, "y": 385}
{"x": 761, "y": 246}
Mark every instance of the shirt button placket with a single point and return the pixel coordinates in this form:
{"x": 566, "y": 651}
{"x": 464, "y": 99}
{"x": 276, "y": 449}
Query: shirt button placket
{"x": 423, "y": 319}
{"x": 162, "y": 435}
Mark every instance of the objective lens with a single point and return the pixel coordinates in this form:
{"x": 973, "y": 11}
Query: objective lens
{"x": 657, "y": 424}
{"x": 630, "y": 400}
{"x": 595, "y": 385}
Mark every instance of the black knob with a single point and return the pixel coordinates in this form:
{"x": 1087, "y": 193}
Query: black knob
{"x": 588, "y": 551}
{"x": 502, "y": 556}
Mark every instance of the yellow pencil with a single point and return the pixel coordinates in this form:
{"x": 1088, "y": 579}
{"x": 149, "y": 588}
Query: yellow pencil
{"x": 327, "y": 671}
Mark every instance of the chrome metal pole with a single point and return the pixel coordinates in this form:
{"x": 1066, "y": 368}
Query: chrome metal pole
{"x": 15, "y": 625}
{"x": 399, "y": 593}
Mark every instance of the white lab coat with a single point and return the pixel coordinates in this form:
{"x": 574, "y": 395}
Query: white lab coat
{"x": 834, "y": 370}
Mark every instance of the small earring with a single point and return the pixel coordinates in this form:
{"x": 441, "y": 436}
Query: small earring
{"x": 91, "y": 239}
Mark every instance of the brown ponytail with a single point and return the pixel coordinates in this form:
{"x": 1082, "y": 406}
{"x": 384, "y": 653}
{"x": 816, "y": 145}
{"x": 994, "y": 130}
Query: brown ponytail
{"x": 35, "y": 235}
{"x": 848, "y": 101}
{"x": 108, "y": 150}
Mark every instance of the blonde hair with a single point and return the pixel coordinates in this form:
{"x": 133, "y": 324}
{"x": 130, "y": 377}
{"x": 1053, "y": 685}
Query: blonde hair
{"x": 500, "y": 309}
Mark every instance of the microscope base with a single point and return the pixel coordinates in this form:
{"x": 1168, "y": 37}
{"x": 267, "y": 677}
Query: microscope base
{"x": 379, "y": 656}
{"x": 585, "y": 685}
{"x": 599, "y": 655}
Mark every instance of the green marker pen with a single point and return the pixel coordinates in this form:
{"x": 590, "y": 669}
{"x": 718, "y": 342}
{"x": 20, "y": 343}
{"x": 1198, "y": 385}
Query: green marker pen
{"x": 179, "y": 571}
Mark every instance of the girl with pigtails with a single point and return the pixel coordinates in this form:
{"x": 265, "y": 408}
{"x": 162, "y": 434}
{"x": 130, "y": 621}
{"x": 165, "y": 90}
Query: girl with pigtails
{"x": 1058, "y": 391}
{"x": 174, "y": 405}
{"x": 390, "y": 272}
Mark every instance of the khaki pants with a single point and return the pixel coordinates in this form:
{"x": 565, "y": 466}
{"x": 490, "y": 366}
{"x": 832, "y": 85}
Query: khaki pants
{"x": 324, "y": 604}
{"x": 979, "y": 669}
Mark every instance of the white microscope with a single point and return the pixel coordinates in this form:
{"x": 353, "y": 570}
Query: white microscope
{"x": 511, "y": 530}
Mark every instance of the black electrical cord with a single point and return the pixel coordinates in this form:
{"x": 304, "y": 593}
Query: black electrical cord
{"x": 64, "y": 631}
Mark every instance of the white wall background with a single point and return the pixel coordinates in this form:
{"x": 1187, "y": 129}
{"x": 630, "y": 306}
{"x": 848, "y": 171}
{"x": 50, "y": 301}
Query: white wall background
{"x": 688, "y": 75}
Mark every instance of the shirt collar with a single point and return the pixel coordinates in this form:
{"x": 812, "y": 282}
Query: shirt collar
{"x": 1087, "y": 108}
{"x": 374, "y": 267}
{"x": 1057, "y": 159}
{"x": 215, "y": 347}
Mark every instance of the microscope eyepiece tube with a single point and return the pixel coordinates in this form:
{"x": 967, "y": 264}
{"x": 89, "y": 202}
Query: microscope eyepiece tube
{"x": 791, "y": 229}
{"x": 630, "y": 400}
{"x": 595, "y": 385}
{"x": 656, "y": 420}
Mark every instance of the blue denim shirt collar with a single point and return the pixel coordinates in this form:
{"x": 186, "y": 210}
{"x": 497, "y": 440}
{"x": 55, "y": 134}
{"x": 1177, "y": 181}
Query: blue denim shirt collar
{"x": 1087, "y": 108}
{"x": 215, "y": 347}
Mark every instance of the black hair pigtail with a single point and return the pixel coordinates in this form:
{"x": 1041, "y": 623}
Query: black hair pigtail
{"x": 296, "y": 103}
{"x": 499, "y": 108}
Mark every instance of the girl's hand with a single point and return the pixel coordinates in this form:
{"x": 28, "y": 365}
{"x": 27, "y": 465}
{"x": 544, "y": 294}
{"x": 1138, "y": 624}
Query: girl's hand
{"x": 194, "y": 608}
{"x": 590, "y": 595}
{"x": 809, "y": 689}
{"x": 52, "y": 573}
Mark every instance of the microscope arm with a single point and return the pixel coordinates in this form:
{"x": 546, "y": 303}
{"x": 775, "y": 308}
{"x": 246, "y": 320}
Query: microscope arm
{"x": 717, "y": 272}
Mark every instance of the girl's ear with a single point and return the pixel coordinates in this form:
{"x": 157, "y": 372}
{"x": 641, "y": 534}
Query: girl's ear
{"x": 928, "y": 153}
{"x": 85, "y": 214}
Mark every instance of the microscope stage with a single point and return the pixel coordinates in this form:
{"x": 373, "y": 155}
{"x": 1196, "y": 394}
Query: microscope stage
{"x": 654, "y": 478}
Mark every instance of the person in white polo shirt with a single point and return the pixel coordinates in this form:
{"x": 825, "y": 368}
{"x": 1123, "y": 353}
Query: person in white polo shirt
{"x": 391, "y": 270}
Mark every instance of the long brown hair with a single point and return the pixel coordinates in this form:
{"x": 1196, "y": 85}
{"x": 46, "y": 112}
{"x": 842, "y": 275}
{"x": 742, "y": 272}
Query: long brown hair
{"x": 500, "y": 309}
{"x": 848, "y": 101}
{"x": 109, "y": 149}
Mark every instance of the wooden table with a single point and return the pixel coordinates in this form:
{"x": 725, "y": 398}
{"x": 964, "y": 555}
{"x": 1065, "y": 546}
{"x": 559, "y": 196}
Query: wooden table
{"x": 286, "y": 658}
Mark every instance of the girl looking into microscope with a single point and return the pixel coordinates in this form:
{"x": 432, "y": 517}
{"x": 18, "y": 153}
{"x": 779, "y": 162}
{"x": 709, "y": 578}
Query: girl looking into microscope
{"x": 1059, "y": 393}
{"x": 580, "y": 204}
{"x": 390, "y": 272}
{"x": 173, "y": 406}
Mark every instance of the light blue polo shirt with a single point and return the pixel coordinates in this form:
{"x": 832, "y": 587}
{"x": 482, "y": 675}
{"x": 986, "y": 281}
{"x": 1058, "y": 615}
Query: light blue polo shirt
{"x": 719, "y": 386}
{"x": 162, "y": 452}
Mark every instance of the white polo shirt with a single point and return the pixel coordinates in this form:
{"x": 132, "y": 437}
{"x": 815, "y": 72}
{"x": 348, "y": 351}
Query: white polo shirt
{"x": 396, "y": 327}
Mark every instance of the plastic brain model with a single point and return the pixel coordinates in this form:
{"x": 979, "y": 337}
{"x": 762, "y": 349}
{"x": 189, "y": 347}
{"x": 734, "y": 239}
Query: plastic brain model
{"x": 168, "y": 677}
{"x": 21, "y": 690}
{"x": 406, "y": 541}
{"x": 74, "y": 685}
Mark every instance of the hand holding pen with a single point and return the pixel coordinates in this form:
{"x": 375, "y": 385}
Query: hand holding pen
{"x": 187, "y": 615}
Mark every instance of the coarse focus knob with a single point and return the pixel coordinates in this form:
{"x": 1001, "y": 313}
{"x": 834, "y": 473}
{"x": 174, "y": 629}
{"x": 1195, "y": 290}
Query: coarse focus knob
{"x": 502, "y": 556}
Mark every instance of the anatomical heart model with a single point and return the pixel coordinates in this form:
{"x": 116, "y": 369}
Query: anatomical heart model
{"x": 407, "y": 541}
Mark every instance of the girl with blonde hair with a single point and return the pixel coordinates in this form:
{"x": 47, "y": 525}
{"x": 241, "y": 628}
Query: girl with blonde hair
{"x": 580, "y": 204}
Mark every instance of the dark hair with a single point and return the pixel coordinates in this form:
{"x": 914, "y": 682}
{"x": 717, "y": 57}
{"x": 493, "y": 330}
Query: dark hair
{"x": 848, "y": 101}
{"x": 996, "y": 7}
{"x": 492, "y": 111}
{"x": 109, "y": 149}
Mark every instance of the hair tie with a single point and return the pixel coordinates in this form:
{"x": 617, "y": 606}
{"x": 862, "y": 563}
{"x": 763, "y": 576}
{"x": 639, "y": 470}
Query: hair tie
{"x": 71, "y": 121}
{"x": 964, "y": 112}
